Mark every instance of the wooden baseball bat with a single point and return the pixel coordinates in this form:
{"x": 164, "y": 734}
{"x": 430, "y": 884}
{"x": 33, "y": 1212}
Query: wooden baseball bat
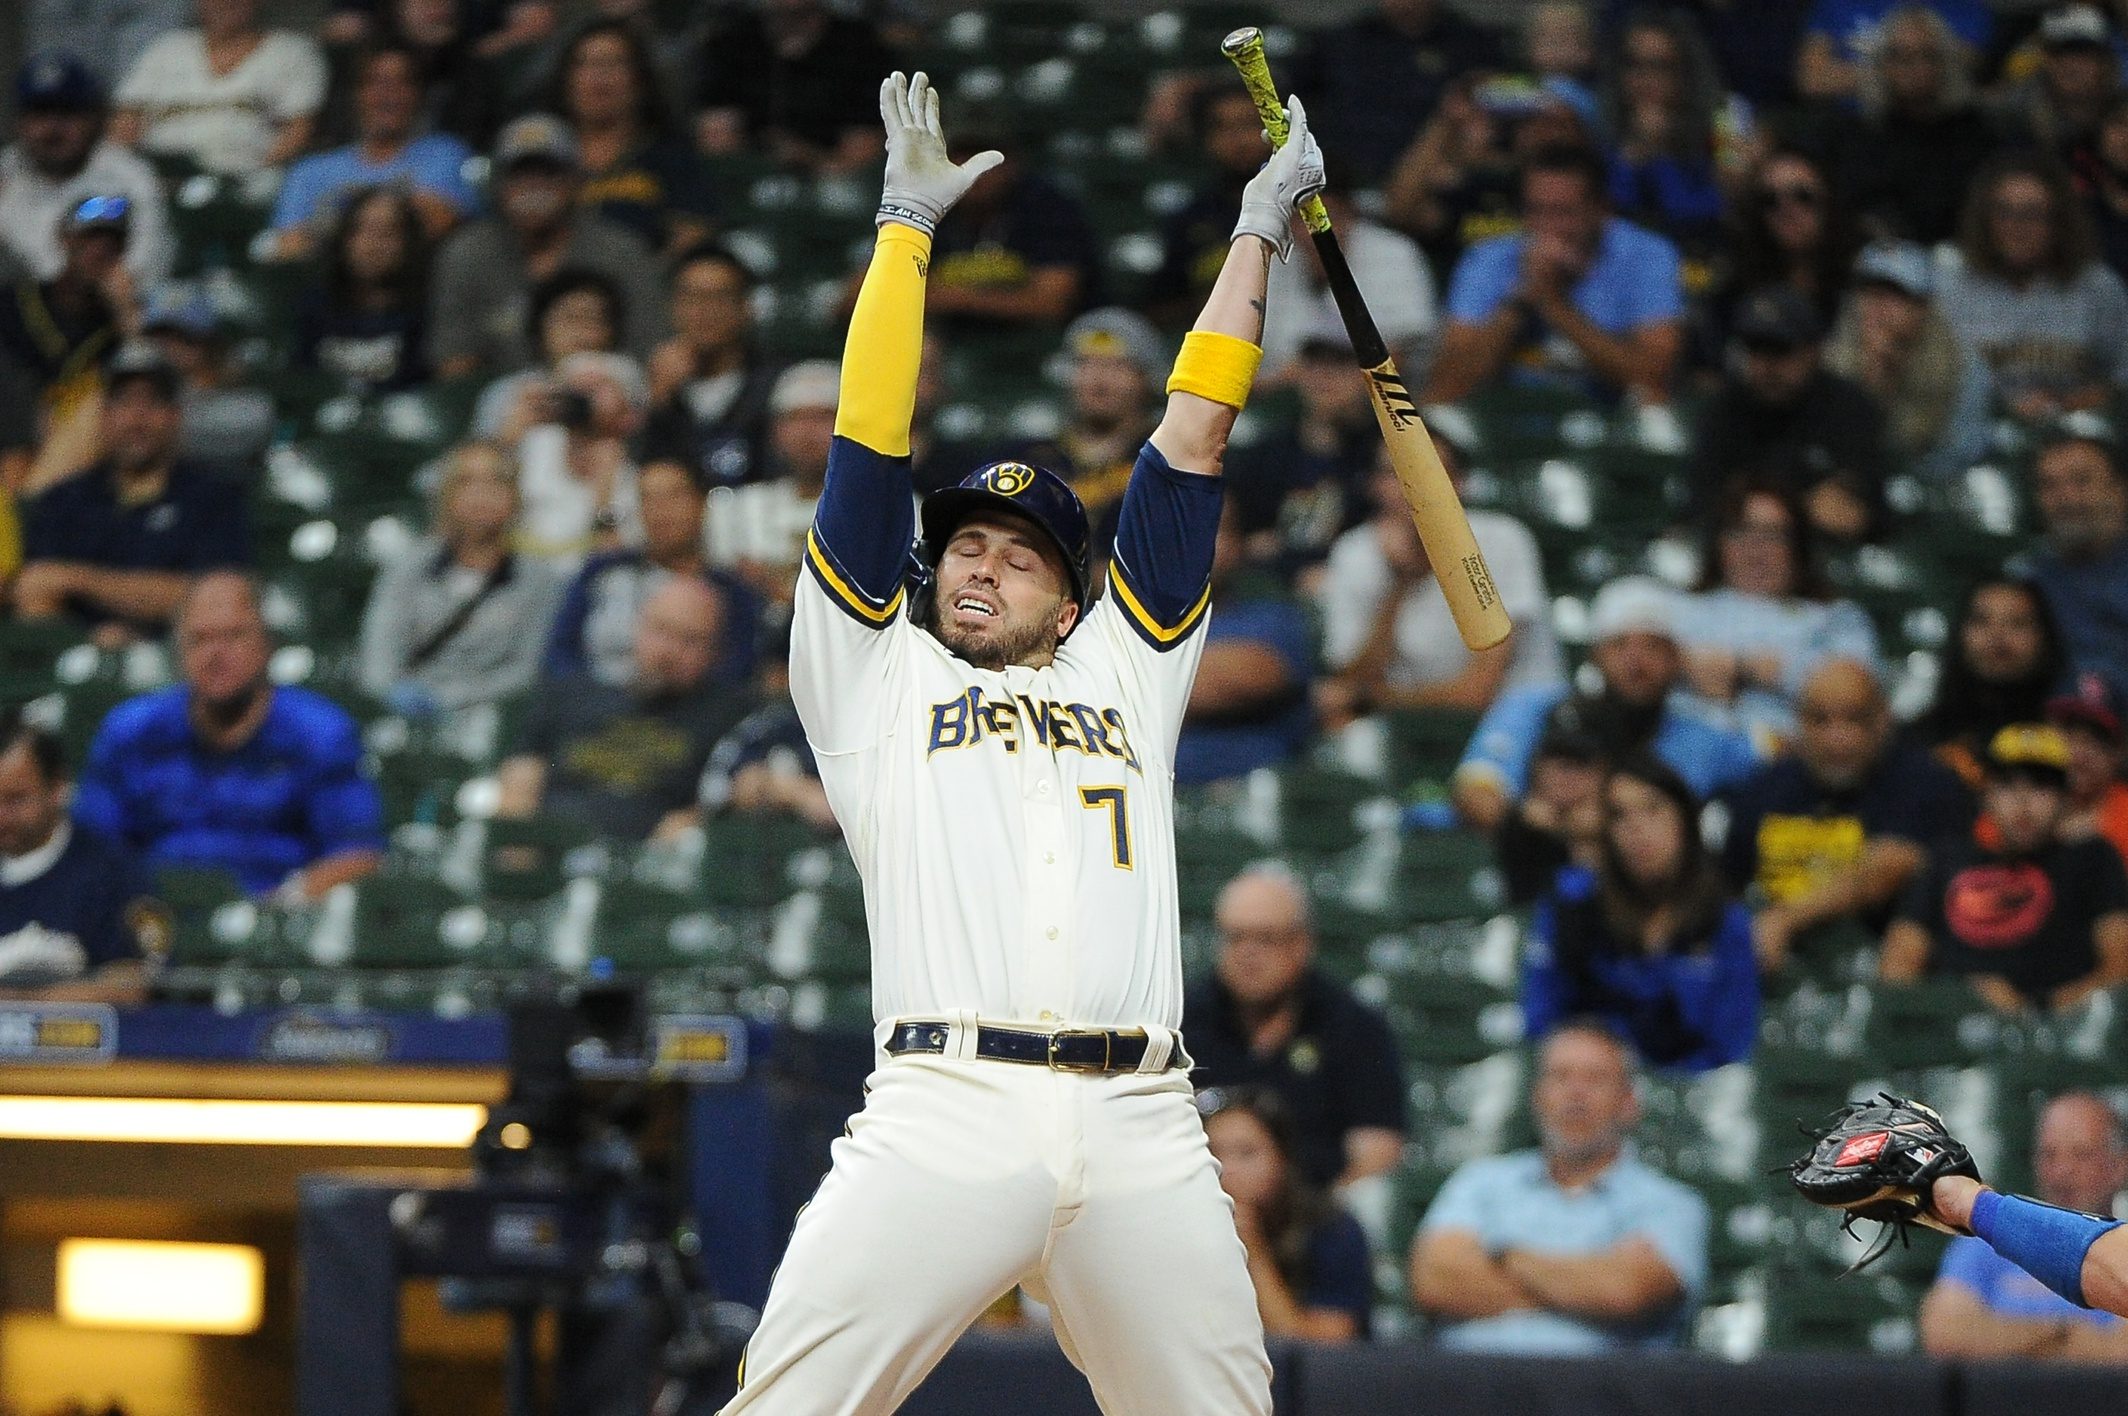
{"x": 1444, "y": 527}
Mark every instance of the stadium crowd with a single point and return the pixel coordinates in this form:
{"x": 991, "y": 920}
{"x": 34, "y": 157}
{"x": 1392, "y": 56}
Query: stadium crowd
{"x": 1815, "y": 308}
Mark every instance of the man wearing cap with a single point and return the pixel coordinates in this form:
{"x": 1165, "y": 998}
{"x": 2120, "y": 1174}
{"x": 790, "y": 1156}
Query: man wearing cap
{"x": 1835, "y": 828}
{"x": 1301, "y": 486}
{"x": 2081, "y": 565}
{"x": 757, "y": 530}
{"x": 55, "y": 337}
{"x": 484, "y": 274}
{"x": 2078, "y": 78}
{"x": 117, "y": 543}
{"x": 1632, "y": 627}
{"x": 1781, "y": 416}
{"x": 2036, "y": 922}
{"x": 1117, "y": 359}
{"x": 389, "y": 150}
{"x": 1892, "y": 342}
{"x": 59, "y": 158}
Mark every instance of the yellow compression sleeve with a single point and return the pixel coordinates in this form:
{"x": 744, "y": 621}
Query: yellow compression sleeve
{"x": 885, "y": 344}
{"x": 1215, "y": 366}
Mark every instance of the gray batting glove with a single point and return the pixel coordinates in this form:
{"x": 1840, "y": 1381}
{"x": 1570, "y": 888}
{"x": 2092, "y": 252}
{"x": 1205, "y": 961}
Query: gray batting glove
{"x": 1294, "y": 173}
{"x": 922, "y": 182}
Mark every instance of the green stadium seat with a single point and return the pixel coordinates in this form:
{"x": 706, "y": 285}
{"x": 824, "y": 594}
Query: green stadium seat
{"x": 1810, "y": 1311}
{"x": 746, "y": 859}
{"x": 404, "y": 921}
{"x": 529, "y": 859}
{"x": 643, "y": 930}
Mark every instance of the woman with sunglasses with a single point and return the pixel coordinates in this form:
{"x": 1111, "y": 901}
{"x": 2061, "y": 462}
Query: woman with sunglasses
{"x": 2031, "y": 297}
{"x": 1788, "y": 231}
{"x": 1307, "y": 1257}
{"x": 1650, "y": 939}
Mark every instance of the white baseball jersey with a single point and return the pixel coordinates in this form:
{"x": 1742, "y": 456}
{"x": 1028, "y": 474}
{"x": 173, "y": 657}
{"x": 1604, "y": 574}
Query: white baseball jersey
{"x": 1014, "y": 829}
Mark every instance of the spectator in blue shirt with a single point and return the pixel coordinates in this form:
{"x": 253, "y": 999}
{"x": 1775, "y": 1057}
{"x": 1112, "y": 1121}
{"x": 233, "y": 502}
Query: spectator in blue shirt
{"x": 1578, "y": 298}
{"x": 1575, "y": 1247}
{"x": 1248, "y": 707}
{"x": 387, "y": 150}
{"x": 1637, "y": 659}
{"x": 118, "y": 542}
{"x": 226, "y": 771}
{"x": 77, "y": 917}
{"x": 1307, "y": 1256}
{"x": 1649, "y": 940}
{"x": 1982, "y": 1305}
{"x": 2082, "y": 490}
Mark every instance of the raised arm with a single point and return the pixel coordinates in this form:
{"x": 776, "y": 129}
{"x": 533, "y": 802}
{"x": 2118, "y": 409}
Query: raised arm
{"x": 862, "y": 529}
{"x": 1219, "y": 357}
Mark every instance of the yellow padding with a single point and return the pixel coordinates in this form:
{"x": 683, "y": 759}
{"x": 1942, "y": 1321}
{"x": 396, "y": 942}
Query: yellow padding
{"x": 885, "y": 344}
{"x": 1215, "y": 366}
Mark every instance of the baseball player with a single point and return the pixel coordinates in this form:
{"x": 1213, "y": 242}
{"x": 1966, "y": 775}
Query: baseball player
{"x": 999, "y": 752}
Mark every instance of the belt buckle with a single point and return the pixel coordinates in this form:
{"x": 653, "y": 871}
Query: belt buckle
{"x": 1057, "y": 1064}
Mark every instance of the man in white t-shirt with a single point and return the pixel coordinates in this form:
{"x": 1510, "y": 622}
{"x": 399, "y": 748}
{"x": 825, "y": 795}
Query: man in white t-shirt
{"x": 227, "y": 95}
{"x": 1392, "y": 274}
{"x": 1387, "y": 633}
{"x": 59, "y": 158}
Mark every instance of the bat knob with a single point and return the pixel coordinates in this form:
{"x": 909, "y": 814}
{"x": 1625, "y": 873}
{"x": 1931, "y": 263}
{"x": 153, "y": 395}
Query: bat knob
{"x": 1241, "y": 41}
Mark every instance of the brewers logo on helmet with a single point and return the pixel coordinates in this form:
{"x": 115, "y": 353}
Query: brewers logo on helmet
{"x": 1023, "y": 489}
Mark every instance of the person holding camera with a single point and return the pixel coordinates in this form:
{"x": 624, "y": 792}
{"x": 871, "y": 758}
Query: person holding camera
{"x": 577, "y": 473}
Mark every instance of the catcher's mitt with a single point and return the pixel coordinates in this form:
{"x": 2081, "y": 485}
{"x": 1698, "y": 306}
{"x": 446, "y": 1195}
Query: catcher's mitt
{"x": 1877, "y": 1160}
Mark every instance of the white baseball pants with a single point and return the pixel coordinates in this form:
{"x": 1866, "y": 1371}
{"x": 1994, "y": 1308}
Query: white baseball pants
{"x": 962, "y": 1178}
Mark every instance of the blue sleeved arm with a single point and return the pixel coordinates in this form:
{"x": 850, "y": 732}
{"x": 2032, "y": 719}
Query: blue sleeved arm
{"x": 1733, "y": 1026}
{"x": 1483, "y": 279}
{"x": 858, "y": 548}
{"x": 1162, "y": 569}
{"x": 298, "y": 199}
{"x": 2046, "y": 1242}
{"x": 1507, "y": 736}
{"x": 565, "y": 640}
{"x": 345, "y": 811}
{"x": 99, "y": 802}
{"x": 1543, "y": 985}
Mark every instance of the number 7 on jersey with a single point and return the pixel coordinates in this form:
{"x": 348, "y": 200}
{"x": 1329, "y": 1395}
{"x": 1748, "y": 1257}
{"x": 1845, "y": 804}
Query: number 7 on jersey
{"x": 1112, "y": 799}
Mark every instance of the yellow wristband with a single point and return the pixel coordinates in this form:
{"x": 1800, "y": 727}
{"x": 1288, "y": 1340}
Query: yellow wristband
{"x": 1215, "y": 366}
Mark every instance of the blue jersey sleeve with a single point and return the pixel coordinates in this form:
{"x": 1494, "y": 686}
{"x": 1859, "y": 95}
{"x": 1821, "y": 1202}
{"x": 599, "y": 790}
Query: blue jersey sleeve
{"x": 344, "y": 810}
{"x": 1162, "y": 569}
{"x": 858, "y": 549}
{"x": 99, "y": 794}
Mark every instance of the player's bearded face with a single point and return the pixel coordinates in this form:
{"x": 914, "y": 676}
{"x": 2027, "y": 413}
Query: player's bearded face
{"x": 1003, "y": 594}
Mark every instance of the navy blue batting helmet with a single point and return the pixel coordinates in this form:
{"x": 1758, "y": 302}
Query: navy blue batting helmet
{"x": 1034, "y": 492}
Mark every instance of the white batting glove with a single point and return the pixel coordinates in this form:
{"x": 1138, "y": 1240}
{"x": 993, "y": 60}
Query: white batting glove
{"x": 1294, "y": 173}
{"x": 922, "y": 182}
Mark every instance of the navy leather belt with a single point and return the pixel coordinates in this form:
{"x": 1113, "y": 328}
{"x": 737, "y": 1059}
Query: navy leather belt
{"x": 1068, "y": 1050}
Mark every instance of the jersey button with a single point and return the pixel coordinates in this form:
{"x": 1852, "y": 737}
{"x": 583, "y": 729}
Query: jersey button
{"x": 1049, "y": 857}
{"x": 1052, "y": 931}
{"x": 1041, "y": 788}
{"x": 1046, "y": 1017}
